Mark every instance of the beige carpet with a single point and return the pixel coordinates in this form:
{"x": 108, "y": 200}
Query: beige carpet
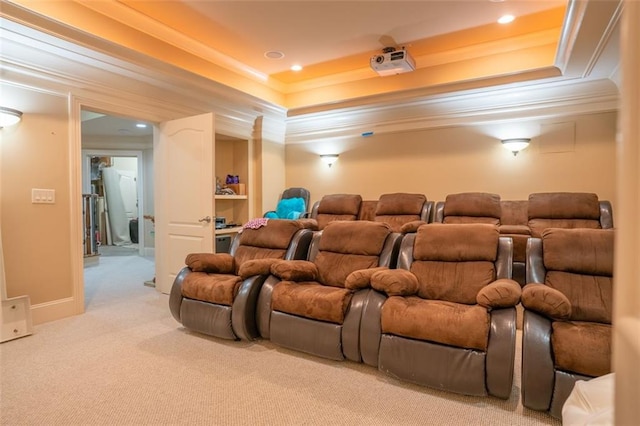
{"x": 127, "y": 362}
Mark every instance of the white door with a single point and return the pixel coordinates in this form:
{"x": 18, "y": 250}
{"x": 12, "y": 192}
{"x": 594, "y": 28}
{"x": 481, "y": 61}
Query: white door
{"x": 184, "y": 193}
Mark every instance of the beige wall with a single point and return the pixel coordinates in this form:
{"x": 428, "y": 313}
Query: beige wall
{"x": 273, "y": 175}
{"x": 35, "y": 237}
{"x": 438, "y": 162}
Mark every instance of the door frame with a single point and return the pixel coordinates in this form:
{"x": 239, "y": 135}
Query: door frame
{"x": 76, "y": 160}
{"x": 140, "y": 183}
{"x": 226, "y": 122}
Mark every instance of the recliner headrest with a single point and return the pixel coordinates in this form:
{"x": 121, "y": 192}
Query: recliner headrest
{"x": 473, "y": 204}
{"x": 354, "y": 237}
{"x": 400, "y": 203}
{"x": 456, "y": 242}
{"x": 564, "y": 205}
{"x": 580, "y": 251}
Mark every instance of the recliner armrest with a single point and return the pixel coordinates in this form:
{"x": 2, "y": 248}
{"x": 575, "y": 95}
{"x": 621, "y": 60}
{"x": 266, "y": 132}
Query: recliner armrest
{"x": 219, "y": 263}
{"x": 502, "y": 293}
{"x": 395, "y": 282}
{"x": 361, "y": 278}
{"x": 546, "y": 301}
{"x": 411, "y": 227}
{"x": 256, "y": 267}
{"x": 295, "y": 270}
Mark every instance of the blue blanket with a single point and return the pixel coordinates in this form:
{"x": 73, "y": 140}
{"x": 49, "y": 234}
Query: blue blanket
{"x": 288, "y": 208}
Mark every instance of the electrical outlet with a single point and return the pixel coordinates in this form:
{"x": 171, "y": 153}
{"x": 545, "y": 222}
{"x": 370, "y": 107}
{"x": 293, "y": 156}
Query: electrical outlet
{"x": 43, "y": 196}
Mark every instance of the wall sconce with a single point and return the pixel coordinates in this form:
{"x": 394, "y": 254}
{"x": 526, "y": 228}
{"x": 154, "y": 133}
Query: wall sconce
{"x": 516, "y": 145}
{"x": 329, "y": 159}
{"x": 9, "y": 116}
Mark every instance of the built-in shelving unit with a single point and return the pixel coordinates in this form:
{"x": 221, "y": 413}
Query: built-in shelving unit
{"x": 231, "y": 197}
{"x": 232, "y": 157}
{"x": 227, "y": 231}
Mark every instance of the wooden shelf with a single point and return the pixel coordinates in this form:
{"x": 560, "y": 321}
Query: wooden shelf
{"x": 231, "y": 197}
{"x": 226, "y": 231}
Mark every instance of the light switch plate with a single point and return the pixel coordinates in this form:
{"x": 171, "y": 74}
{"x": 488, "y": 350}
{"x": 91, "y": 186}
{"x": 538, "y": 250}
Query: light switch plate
{"x": 43, "y": 196}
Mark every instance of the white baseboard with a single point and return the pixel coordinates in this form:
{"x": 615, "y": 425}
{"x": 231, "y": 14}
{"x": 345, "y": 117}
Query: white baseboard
{"x": 150, "y": 252}
{"x": 54, "y": 310}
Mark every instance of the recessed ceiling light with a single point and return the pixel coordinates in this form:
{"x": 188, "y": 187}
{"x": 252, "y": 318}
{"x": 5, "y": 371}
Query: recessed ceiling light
{"x": 505, "y": 19}
{"x": 296, "y": 67}
{"x": 274, "y": 54}
{"x": 141, "y": 126}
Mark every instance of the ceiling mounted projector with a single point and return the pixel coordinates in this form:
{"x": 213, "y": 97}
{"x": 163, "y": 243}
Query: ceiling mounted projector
{"x": 392, "y": 63}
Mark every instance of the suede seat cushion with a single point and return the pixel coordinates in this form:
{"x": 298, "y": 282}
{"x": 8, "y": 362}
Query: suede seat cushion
{"x": 581, "y": 251}
{"x": 460, "y": 243}
{"x": 538, "y": 226}
{"x": 591, "y": 297}
{"x": 579, "y": 264}
{"x": 348, "y": 246}
{"x": 457, "y": 282}
{"x": 311, "y": 300}
{"x": 453, "y": 262}
{"x": 267, "y": 242}
{"x": 214, "y": 288}
{"x": 582, "y": 347}
{"x": 447, "y": 323}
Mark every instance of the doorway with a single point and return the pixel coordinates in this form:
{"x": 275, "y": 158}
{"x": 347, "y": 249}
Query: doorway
{"x": 117, "y": 190}
{"x": 112, "y": 182}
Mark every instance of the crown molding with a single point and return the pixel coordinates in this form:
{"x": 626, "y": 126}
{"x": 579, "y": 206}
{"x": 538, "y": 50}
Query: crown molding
{"x": 587, "y": 35}
{"x": 164, "y": 92}
{"x": 513, "y": 102}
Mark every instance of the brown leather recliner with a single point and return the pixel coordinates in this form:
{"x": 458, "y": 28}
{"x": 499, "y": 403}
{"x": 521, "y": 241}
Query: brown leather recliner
{"x": 314, "y": 306}
{"x": 446, "y": 317}
{"x": 567, "y": 210}
{"x": 400, "y": 208}
{"x": 482, "y": 207}
{"x": 216, "y": 293}
{"x": 567, "y": 328}
{"x": 336, "y": 207}
{"x": 469, "y": 207}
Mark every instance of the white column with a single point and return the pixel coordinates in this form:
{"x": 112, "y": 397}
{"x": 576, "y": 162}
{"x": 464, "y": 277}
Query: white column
{"x": 626, "y": 343}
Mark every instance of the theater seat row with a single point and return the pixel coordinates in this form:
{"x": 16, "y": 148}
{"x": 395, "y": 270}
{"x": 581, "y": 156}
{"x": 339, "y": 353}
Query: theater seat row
{"x": 518, "y": 219}
{"x": 435, "y": 306}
